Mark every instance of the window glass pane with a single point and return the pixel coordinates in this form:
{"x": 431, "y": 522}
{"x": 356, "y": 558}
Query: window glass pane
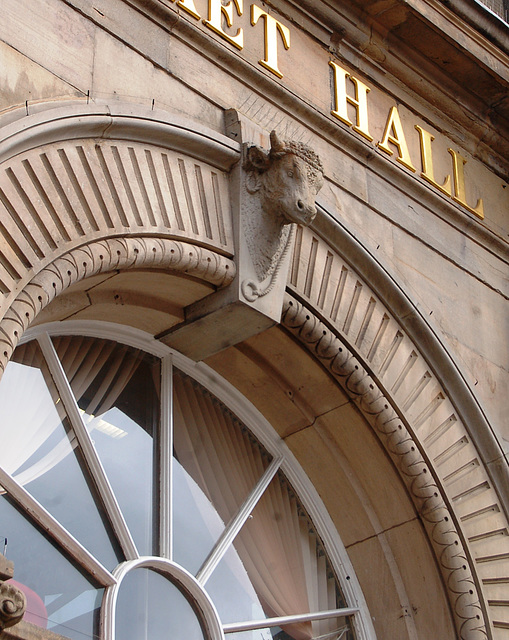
{"x": 39, "y": 449}
{"x": 233, "y": 594}
{"x": 258, "y": 634}
{"x": 197, "y": 524}
{"x": 276, "y": 566}
{"x": 150, "y": 607}
{"x": 220, "y": 456}
{"x": 59, "y": 597}
{"x": 286, "y": 563}
{"x": 117, "y": 389}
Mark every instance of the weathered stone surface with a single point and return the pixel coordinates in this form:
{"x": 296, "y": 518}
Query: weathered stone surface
{"x": 28, "y": 631}
{"x": 6, "y": 568}
{"x": 12, "y": 600}
{"x": 12, "y": 605}
{"x": 51, "y": 32}
{"x": 24, "y": 77}
{"x": 446, "y": 68}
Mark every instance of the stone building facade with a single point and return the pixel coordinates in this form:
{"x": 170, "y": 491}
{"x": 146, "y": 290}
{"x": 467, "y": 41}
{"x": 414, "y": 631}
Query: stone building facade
{"x": 303, "y": 207}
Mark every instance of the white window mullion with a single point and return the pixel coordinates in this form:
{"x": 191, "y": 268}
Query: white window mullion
{"x": 166, "y": 461}
{"x": 230, "y": 533}
{"x": 36, "y": 512}
{"x": 90, "y": 456}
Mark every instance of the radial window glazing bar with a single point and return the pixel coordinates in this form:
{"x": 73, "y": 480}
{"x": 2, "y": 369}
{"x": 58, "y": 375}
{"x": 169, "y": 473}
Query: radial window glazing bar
{"x": 89, "y": 453}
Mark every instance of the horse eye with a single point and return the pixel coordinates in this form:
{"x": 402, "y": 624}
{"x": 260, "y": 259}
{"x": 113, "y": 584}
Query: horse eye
{"x": 290, "y": 173}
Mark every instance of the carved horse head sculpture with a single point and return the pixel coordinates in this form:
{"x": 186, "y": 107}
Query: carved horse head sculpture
{"x": 287, "y": 177}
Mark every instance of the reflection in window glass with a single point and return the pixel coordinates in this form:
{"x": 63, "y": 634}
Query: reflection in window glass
{"x": 341, "y": 631}
{"x": 44, "y": 450}
{"x": 197, "y": 524}
{"x": 258, "y": 634}
{"x": 58, "y": 596}
{"x": 150, "y": 607}
{"x": 117, "y": 389}
{"x": 234, "y": 596}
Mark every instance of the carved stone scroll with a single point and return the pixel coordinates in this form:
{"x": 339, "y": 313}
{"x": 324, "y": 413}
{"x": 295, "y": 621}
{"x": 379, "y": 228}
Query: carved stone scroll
{"x": 12, "y": 605}
{"x": 452, "y": 556}
{"x": 12, "y": 600}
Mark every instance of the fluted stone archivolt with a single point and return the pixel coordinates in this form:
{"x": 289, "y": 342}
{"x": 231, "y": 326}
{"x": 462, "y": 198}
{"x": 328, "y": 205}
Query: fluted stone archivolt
{"x": 351, "y": 307}
{"x": 56, "y": 198}
{"x": 453, "y": 558}
{"x": 105, "y": 256}
{"x": 75, "y": 179}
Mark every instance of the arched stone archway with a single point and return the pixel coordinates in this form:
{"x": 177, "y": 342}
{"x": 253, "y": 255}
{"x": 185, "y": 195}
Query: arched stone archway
{"x": 89, "y": 191}
{"x": 439, "y": 440}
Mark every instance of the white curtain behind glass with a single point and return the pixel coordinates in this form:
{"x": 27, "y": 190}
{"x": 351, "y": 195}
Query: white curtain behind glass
{"x": 277, "y": 544}
{"x": 29, "y": 419}
{"x": 32, "y": 413}
{"x": 84, "y": 359}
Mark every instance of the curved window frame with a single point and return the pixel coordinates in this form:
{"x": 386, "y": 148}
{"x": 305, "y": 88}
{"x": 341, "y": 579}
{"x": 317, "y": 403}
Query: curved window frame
{"x": 177, "y": 575}
{"x": 163, "y": 563}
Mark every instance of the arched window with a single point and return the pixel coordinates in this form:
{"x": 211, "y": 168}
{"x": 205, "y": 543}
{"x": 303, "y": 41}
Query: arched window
{"x": 141, "y": 499}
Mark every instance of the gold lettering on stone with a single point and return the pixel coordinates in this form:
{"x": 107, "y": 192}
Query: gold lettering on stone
{"x": 459, "y": 196}
{"x": 426, "y": 138}
{"x": 272, "y": 28}
{"x": 342, "y": 100}
{"x": 218, "y": 11}
{"x": 395, "y": 135}
{"x": 188, "y": 5}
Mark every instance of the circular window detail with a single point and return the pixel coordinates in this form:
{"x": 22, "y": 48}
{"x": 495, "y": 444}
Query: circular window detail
{"x": 136, "y": 504}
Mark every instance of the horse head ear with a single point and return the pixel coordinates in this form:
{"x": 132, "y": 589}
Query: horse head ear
{"x": 257, "y": 159}
{"x": 276, "y": 144}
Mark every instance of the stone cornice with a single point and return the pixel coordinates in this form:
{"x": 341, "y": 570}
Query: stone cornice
{"x": 486, "y": 22}
{"x": 374, "y": 44}
{"x": 401, "y": 38}
{"x": 487, "y": 34}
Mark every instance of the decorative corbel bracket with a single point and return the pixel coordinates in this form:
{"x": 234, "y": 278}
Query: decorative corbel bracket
{"x": 272, "y": 191}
